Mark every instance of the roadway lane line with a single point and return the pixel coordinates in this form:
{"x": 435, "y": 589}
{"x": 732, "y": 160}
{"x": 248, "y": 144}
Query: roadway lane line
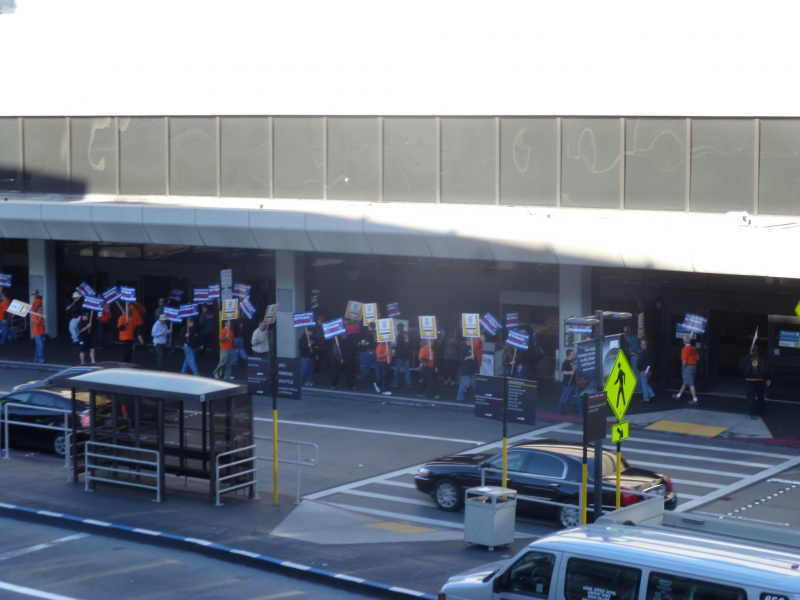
{"x": 26, "y": 591}
{"x": 356, "y": 429}
{"x": 689, "y": 468}
{"x": 428, "y": 503}
{"x": 37, "y": 547}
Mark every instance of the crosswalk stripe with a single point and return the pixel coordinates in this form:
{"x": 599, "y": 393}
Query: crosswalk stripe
{"x": 428, "y": 503}
{"x": 690, "y": 468}
{"x": 410, "y": 486}
{"x": 726, "y": 461}
{"x": 696, "y": 483}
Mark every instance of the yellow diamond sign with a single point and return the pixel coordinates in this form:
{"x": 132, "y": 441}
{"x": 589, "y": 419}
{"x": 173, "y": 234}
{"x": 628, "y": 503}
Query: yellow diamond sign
{"x": 797, "y": 309}
{"x": 620, "y": 431}
{"x": 620, "y": 385}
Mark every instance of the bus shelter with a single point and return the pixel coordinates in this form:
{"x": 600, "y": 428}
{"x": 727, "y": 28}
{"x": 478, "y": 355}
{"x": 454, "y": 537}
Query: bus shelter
{"x": 144, "y": 424}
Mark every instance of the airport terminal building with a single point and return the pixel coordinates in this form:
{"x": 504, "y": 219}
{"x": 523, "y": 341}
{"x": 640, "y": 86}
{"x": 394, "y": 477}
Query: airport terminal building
{"x": 436, "y": 156}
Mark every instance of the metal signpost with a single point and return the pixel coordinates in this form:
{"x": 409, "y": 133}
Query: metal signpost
{"x": 619, "y": 392}
{"x": 594, "y": 430}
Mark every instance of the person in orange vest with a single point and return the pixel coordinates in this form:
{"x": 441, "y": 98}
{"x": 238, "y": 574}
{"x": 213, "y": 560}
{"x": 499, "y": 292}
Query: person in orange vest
{"x": 103, "y": 322}
{"x": 36, "y": 302}
{"x": 383, "y": 352}
{"x": 37, "y": 329}
{"x": 427, "y": 370}
{"x": 140, "y": 311}
{"x": 126, "y": 328}
{"x": 226, "y": 348}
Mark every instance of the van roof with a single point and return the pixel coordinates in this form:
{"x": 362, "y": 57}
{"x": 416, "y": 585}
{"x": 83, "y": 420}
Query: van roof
{"x": 734, "y": 560}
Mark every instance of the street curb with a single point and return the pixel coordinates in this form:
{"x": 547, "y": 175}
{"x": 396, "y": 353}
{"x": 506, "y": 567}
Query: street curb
{"x": 15, "y": 364}
{"x": 210, "y": 549}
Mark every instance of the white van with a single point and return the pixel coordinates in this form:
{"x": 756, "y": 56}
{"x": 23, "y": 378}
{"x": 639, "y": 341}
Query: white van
{"x": 620, "y": 562}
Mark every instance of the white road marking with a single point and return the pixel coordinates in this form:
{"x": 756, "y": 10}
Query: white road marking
{"x": 696, "y": 483}
{"x": 726, "y": 461}
{"x": 428, "y": 503}
{"x": 359, "y": 430}
{"x": 26, "y": 591}
{"x": 398, "y": 484}
{"x": 37, "y": 547}
{"x": 652, "y": 465}
{"x": 789, "y": 481}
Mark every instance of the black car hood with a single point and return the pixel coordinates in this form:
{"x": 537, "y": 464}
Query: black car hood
{"x": 461, "y": 459}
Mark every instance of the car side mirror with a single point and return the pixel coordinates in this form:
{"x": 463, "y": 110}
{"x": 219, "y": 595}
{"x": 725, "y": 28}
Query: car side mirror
{"x": 499, "y": 584}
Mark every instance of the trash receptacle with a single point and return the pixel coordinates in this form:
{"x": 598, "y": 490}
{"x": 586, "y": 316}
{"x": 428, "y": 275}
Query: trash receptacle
{"x": 489, "y": 516}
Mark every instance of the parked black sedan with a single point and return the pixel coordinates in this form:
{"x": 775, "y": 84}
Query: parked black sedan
{"x": 61, "y": 377}
{"x": 546, "y": 470}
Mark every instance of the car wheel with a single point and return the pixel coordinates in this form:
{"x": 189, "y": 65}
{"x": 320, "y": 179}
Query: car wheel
{"x": 447, "y": 495}
{"x": 60, "y": 444}
{"x": 569, "y": 516}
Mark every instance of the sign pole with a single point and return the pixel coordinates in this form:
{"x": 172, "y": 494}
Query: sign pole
{"x": 585, "y": 462}
{"x": 505, "y": 431}
{"x": 273, "y": 367}
{"x": 598, "y": 445}
{"x": 619, "y": 472}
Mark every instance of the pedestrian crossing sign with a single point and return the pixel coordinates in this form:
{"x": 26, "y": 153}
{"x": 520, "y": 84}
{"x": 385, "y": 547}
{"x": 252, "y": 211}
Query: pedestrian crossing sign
{"x": 620, "y": 432}
{"x": 797, "y": 309}
{"x": 620, "y": 385}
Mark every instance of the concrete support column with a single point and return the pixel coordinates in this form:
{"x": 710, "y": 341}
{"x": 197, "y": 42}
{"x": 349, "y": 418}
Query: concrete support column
{"x": 574, "y": 300}
{"x": 42, "y": 277}
{"x": 290, "y": 291}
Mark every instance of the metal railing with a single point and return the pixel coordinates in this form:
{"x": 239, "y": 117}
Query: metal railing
{"x": 252, "y": 460}
{"x": 65, "y": 428}
{"x": 90, "y": 467}
{"x": 299, "y": 462}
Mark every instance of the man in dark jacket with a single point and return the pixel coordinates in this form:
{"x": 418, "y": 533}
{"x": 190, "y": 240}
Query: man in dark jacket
{"x": 644, "y": 365}
{"x": 756, "y": 375}
{"x": 305, "y": 347}
{"x": 468, "y": 367}
{"x": 402, "y": 356}
{"x": 341, "y": 355}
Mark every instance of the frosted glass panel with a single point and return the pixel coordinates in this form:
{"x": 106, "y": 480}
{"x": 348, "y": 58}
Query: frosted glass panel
{"x": 655, "y": 164}
{"x": 468, "y": 161}
{"x": 10, "y": 157}
{"x": 528, "y": 161}
{"x": 46, "y": 156}
{"x": 779, "y": 175}
{"x": 245, "y": 156}
{"x": 94, "y": 158}
{"x": 298, "y": 157}
{"x": 192, "y": 156}
{"x": 142, "y": 156}
{"x": 353, "y": 158}
{"x": 723, "y": 168}
{"x": 591, "y": 160}
{"x": 409, "y": 159}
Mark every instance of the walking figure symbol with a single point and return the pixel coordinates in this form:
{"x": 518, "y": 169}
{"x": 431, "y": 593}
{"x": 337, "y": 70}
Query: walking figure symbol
{"x": 621, "y": 386}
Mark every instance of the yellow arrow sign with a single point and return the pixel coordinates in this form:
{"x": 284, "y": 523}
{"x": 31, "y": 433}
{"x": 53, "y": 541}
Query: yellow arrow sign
{"x": 620, "y": 431}
{"x": 620, "y": 385}
{"x": 797, "y": 309}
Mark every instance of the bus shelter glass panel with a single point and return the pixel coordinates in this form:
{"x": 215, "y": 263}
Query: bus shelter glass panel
{"x": 779, "y": 167}
{"x": 245, "y": 156}
{"x": 468, "y": 161}
{"x": 353, "y": 158}
{"x": 93, "y": 155}
{"x": 46, "y": 156}
{"x": 655, "y": 164}
{"x": 591, "y": 159}
{"x": 528, "y": 161}
{"x": 142, "y": 156}
{"x": 298, "y": 158}
{"x": 723, "y": 167}
{"x": 409, "y": 159}
{"x": 193, "y": 156}
{"x": 10, "y": 156}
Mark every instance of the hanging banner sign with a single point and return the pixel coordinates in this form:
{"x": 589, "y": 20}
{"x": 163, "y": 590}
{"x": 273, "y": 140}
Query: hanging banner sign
{"x": 127, "y": 294}
{"x": 314, "y": 301}
{"x": 226, "y": 284}
{"x": 176, "y": 295}
{"x": 518, "y": 339}
{"x": 490, "y": 324}
{"x": 230, "y": 309}
{"x": 112, "y": 295}
{"x": 85, "y": 289}
{"x": 353, "y": 311}
{"x": 5, "y": 280}
{"x": 272, "y": 312}
{"x": 385, "y": 330}
{"x": 241, "y": 290}
{"x": 93, "y": 303}
{"x": 188, "y": 310}
{"x": 512, "y": 320}
{"x": 200, "y": 294}
{"x": 19, "y": 308}
{"x": 393, "y": 309}
{"x": 370, "y": 313}
{"x": 586, "y": 355}
{"x": 681, "y": 331}
{"x": 303, "y": 319}
{"x": 470, "y": 326}
{"x": 213, "y": 291}
{"x": 173, "y": 314}
{"x": 332, "y": 329}
{"x": 427, "y": 328}
{"x": 695, "y": 323}
{"x": 247, "y": 308}
{"x": 585, "y": 329}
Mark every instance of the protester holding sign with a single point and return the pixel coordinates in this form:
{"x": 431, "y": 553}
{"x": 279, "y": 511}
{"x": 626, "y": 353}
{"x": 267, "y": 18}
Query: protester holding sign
{"x": 340, "y": 359}
{"x": 451, "y": 350}
{"x": 207, "y": 323}
{"x": 689, "y": 358}
{"x": 74, "y": 316}
{"x": 305, "y": 347}
{"x": 85, "y": 337}
{"x": 189, "y": 337}
{"x": 103, "y": 322}
{"x": 160, "y": 331}
{"x": 37, "y": 330}
{"x": 260, "y": 341}
{"x": 367, "y": 347}
{"x": 239, "y": 326}
{"x": 402, "y": 357}
{"x": 427, "y": 370}
{"x": 468, "y": 368}
{"x": 5, "y": 319}
{"x": 383, "y": 354}
{"x": 126, "y": 330}
{"x": 226, "y": 349}
{"x": 569, "y": 380}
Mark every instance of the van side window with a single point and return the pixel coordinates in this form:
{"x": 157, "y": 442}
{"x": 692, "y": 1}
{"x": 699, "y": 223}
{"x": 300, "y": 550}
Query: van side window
{"x": 672, "y": 587}
{"x": 531, "y": 574}
{"x": 590, "y": 580}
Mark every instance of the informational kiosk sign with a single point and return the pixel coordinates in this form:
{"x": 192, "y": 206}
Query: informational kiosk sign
{"x": 522, "y": 399}
{"x": 259, "y": 380}
{"x": 489, "y": 397}
{"x": 595, "y": 409}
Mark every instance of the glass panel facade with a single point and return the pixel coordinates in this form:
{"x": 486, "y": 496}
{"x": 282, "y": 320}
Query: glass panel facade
{"x": 528, "y": 161}
{"x": 779, "y": 175}
{"x": 193, "y": 156}
{"x": 723, "y": 171}
{"x": 353, "y": 158}
{"x": 409, "y": 159}
{"x": 45, "y": 156}
{"x": 94, "y": 156}
{"x": 142, "y": 156}
{"x": 298, "y": 161}
{"x": 10, "y": 159}
{"x": 591, "y": 155}
{"x": 655, "y": 164}
{"x": 468, "y": 161}
{"x": 245, "y": 156}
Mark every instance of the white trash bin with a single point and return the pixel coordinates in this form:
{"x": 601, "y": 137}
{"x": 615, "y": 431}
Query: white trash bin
{"x": 489, "y": 516}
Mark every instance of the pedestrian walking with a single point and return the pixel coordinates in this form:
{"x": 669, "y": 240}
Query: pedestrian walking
{"x": 207, "y": 325}
{"x": 138, "y": 311}
{"x": 689, "y": 358}
{"x": 226, "y": 350}
{"x": 74, "y": 316}
{"x": 569, "y": 379}
{"x": 85, "y": 338}
{"x": 383, "y": 357}
{"x": 368, "y": 359}
{"x": 340, "y": 358}
{"x": 37, "y": 330}
{"x": 189, "y": 336}
{"x": 305, "y": 347}
{"x": 402, "y": 357}
{"x": 468, "y": 366}
{"x": 756, "y": 376}
{"x": 259, "y": 341}
{"x": 508, "y": 359}
{"x": 104, "y": 326}
{"x": 451, "y": 357}
{"x": 160, "y": 331}
{"x": 644, "y": 364}
{"x": 126, "y": 330}
{"x": 239, "y": 326}
{"x": 5, "y": 318}
{"x": 427, "y": 371}
{"x": 36, "y": 301}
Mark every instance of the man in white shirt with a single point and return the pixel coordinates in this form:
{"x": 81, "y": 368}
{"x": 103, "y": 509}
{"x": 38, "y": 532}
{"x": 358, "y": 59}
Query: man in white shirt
{"x": 159, "y": 332}
{"x": 260, "y": 341}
